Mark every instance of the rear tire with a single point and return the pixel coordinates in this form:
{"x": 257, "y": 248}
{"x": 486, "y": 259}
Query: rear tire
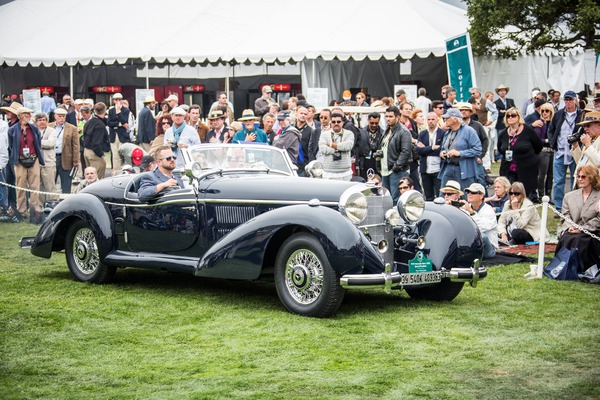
{"x": 443, "y": 291}
{"x": 83, "y": 256}
{"x": 305, "y": 282}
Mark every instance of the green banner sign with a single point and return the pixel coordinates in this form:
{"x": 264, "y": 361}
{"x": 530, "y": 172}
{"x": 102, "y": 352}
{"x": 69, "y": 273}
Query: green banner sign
{"x": 461, "y": 71}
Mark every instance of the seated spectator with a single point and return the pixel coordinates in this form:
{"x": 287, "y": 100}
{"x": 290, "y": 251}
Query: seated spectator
{"x": 501, "y": 189}
{"x": 519, "y": 222}
{"x": 451, "y": 192}
{"x": 148, "y": 163}
{"x": 484, "y": 216}
{"x": 161, "y": 179}
{"x": 581, "y": 206}
{"x": 90, "y": 175}
{"x": 405, "y": 185}
{"x": 375, "y": 179}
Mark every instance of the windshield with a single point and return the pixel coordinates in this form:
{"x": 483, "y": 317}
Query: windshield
{"x": 251, "y": 157}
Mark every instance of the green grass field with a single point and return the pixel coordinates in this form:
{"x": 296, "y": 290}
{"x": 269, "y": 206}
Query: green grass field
{"x": 153, "y": 335}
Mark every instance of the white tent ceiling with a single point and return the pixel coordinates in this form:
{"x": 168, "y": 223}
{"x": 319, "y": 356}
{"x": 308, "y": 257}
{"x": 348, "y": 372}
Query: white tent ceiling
{"x": 59, "y": 32}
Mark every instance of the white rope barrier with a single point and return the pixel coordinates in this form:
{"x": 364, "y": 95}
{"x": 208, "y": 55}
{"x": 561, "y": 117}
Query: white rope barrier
{"x": 59, "y": 195}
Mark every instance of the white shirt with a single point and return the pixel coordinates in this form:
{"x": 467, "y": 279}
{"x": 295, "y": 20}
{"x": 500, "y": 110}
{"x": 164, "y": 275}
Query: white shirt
{"x": 485, "y": 218}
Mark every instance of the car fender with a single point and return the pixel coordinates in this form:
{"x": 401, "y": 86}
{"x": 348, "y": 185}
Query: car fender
{"x": 251, "y": 246}
{"x": 452, "y": 238}
{"x": 87, "y": 207}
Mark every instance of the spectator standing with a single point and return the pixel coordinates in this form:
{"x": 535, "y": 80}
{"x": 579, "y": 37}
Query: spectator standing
{"x": 67, "y": 149}
{"x": 25, "y": 144}
{"x": 428, "y": 147}
{"x": 118, "y": 122}
{"x": 466, "y": 109}
{"x": 48, "y": 142}
{"x": 262, "y": 104}
{"x": 95, "y": 140}
{"x": 219, "y": 132}
{"x": 374, "y": 134}
{"x": 460, "y": 148}
{"x": 520, "y": 145}
{"x": 450, "y": 99}
{"x": 397, "y": 149}
{"x": 562, "y": 126}
{"x": 249, "y": 132}
{"x": 194, "y": 112}
{"x": 556, "y": 101}
{"x": 587, "y": 151}
{"x": 47, "y": 103}
{"x": 180, "y": 135}
{"x": 324, "y": 126}
{"x": 502, "y": 104}
{"x": 412, "y": 126}
{"x": 268, "y": 121}
{"x": 336, "y": 146}
{"x": 146, "y": 124}
{"x": 289, "y": 137}
{"x": 546, "y": 156}
{"x": 3, "y": 166}
{"x": 306, "y": 132}
{"x": 422, "y": 101}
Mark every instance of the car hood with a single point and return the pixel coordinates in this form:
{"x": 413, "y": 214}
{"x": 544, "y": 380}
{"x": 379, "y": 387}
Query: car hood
{"x": 273, "y": 188}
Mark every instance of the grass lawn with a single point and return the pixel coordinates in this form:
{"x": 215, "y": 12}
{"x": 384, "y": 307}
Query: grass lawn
{"x": 153, "y": 335}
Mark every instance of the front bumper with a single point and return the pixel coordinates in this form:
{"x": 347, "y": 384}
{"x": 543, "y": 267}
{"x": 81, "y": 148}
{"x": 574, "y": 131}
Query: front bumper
{"x": 388, "y": 280}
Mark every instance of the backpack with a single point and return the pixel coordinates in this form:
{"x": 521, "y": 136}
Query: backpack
{"x": 565, "y": 265}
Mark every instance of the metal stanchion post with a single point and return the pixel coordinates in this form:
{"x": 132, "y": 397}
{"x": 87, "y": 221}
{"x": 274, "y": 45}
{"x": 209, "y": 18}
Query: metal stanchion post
{"x": 537, "y": 271}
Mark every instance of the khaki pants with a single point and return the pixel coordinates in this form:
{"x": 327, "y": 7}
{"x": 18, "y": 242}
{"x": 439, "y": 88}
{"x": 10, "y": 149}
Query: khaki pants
{"x": 92, "y": 160}
{"x": 28, "y": 178}
{"x": 116, "y": 160}
{"x": 47, "y": 183}
{"x": 146, "y": 147}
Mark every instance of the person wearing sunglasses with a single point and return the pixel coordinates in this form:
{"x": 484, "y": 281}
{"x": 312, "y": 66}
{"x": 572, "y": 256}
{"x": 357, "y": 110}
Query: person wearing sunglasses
{"x": 587, "y": 151}
{"x": 484, "y": 216}
{"x": 581, "y": 206}
{"x": 540, "y": 122}
{"x": 405, "y": 185}
{"x": 563, "y": 125}
{"x": 519, "y": 222}
{"x": 160, "y": 179}
{"x": 180, "y": 135}
{"x": 335, "y": 146}
{"x": 520, "y": 145}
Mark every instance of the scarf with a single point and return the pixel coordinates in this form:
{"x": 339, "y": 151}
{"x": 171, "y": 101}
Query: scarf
{"x": 177, "y": 131}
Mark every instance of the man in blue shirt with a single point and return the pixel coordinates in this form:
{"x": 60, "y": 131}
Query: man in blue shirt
{"x": 161, "y": 178}
{"x": 250, "y": 133}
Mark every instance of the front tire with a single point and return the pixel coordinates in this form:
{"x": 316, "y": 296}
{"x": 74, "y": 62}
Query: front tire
{"x": 305, "y": 282}
{"x": 443, "y": 291}
{"x": 83, "y": 256}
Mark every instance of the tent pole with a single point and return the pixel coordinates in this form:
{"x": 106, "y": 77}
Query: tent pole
{"x": 147, "y": 76}
{"x": 71, "y": 80}
{"x": 314, "y": 73}
{"x": 227, "y": 78}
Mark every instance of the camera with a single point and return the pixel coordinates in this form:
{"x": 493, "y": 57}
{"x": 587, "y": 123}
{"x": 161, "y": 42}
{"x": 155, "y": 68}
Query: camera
{"x": 378, "y": 154}
{"x": 576, "y": 137}
{"x": 337, "y": 156}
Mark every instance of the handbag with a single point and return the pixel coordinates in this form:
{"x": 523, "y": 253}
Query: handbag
{"x": 27, "y": 162}
{"x": 565, "y": 265}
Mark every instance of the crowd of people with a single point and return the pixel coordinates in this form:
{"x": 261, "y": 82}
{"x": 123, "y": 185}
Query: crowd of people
{"x": 440, "y": 147}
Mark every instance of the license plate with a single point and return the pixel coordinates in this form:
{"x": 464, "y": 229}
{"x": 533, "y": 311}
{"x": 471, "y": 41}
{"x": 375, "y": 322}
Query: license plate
{"x": 421, "y": 278}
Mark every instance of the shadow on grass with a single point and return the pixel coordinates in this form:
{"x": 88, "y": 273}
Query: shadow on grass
{"x": 246, "y": 294}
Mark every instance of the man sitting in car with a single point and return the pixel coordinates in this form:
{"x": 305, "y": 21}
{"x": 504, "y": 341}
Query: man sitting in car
{"x": 161, "y": 179}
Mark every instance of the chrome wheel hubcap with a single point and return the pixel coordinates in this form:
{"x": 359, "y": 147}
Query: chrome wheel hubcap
{"x": 304, "y": 276}
{"x": 85, "y": 251}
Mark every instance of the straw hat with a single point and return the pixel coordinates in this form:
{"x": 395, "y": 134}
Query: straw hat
{"x": 149, "y": 99}
{"x": 590, "y": 118}
{"x": 502, "y": 87}
{"x": 13, "y": 108}
{"x": 452, "y": 186}
{"x": 248, "y": 115}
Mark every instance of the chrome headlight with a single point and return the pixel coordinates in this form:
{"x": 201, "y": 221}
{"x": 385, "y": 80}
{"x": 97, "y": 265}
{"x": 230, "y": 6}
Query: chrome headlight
{"x": 411, "y": 206}
{"x": 392, "y": 217}
{"x": 353, "y": 205}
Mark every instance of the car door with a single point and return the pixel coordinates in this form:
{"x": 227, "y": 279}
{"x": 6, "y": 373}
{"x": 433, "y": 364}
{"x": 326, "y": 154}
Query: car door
{"x": 170, "y": 223}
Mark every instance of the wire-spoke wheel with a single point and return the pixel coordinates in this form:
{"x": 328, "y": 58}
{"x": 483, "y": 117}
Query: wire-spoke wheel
{"x": 305, "y": 282}
{"x": 83, "y": 256}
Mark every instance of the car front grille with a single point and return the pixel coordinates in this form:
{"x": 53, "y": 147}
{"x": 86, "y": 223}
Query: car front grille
{"x": 379, "y": 201}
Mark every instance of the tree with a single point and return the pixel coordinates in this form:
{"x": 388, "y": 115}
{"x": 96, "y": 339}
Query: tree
{"x": 507, "y": 28}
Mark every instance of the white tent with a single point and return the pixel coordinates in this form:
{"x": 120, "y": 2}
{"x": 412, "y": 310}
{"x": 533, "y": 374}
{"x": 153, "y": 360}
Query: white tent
{"x": 51, "y": 32}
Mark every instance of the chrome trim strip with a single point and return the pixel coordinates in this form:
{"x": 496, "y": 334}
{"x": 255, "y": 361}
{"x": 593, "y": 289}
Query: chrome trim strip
{"x": 223, "y": 201}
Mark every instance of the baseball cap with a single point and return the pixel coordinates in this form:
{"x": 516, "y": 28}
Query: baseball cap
{"x": 569, "y": 94}
{"x": 146, "y": 161}
{"x": 136, "y": 156}
{"x": 475, "y": 188}
{"x": 452, "y": 112}
{"x": 282, "y": 115}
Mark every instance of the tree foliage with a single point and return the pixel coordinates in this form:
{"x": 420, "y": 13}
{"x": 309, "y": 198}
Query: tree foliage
{"x": 507, "y": 28}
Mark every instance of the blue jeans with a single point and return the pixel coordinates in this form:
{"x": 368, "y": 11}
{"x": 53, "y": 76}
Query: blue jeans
{"x": 488, "y": 249}
{"x": 481, "y": 175}
{"x": 559, "y": 171}
{"x": 65, "y": 176}
{"x": 394, "y": 181}
{"x": 452, "y": 173}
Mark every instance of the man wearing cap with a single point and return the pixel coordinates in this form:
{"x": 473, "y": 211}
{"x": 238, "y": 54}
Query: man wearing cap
{"x": 261, "y": 105}
{"x": 460, "y": 149}
{"x": 48, "y": 171}
{"x": 596, "y": 100}
{"x": 200, "y": 127}
{"x": 95, "y": 140}
{"x": 172, "y": 100}
{"x": 400, "y": 98}
{"x": 25, "y": 144}
{"x": 249, "y": 132}
{"x": 563, "y": 125}
{"x": 66, "y": 150}
{"x": 131, "y": 154}
{"x": 484, "y": 216}
{"x": 118, "y": 122}
{"x": 180, "y": 135}
{"x": 467, "y": 111}
{"x": 219, "y": 132}
{"x": 160, "y": 179}
{"x": 146, "y": 124}
{"x": 148, "y": 164}
{"x": 502, "y": 104}
{"x": 289, "y": 138}
{"x": 530, "y": 100}
{"x": 588, "y": 152}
